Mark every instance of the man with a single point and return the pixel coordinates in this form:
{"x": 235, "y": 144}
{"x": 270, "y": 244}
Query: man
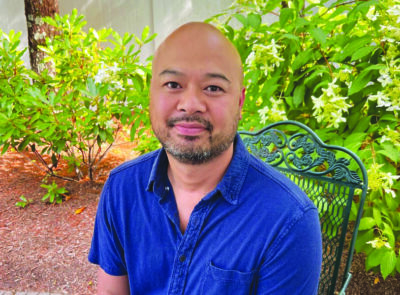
{"x": 201, "y": 215}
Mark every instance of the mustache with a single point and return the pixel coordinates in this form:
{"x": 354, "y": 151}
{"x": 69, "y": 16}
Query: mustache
{"x": 207, "y": 125}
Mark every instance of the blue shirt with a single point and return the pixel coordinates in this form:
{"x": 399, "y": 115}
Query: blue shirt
{"x": 255, "y": 233}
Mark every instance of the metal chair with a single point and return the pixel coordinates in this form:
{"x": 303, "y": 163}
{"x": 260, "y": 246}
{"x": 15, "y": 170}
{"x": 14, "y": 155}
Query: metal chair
{"x": 330, "y": 176}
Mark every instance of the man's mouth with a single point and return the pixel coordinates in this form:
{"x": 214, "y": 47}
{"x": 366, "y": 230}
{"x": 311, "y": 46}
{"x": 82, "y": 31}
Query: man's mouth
{"x": 189, "y": 128}
{"x": 190, "y": 125}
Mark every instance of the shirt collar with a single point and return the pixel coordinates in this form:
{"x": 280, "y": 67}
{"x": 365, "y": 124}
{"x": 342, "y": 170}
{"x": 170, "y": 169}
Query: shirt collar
{"x": 230, "y": 185}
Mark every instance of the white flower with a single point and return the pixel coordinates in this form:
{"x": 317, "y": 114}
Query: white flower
{"x": 273, "y": 114}
{"x": 109, "y": 123}
{"x": 381, "y": 98}
{"x": 93, "y": 108}
{"x": 378, "y": 243}
{"x": 250, "y": 59}
{"x": 386, "y": 39}
{"x": 337, "y": 118}
{"x": 394, "y": 10}
{"x": 101, "y": 75}
{"x": 318, "y": 102}
{"x": 114, "y": 68}
{"x": 385, "y": 80}
{"x": 384, "y": 138}
{"x": 394, "y": 108}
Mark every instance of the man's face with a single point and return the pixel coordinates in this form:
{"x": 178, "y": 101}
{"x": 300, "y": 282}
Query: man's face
{"x": 196, "y": 96}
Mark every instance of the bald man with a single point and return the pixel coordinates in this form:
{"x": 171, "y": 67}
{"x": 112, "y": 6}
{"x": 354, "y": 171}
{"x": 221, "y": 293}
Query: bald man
{"x": 201, "y": 215}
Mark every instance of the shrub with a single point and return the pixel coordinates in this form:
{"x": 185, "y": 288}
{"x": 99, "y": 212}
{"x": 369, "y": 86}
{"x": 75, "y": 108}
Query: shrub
{"x": 335, "y": 67}
{"x": 77, "y": 108}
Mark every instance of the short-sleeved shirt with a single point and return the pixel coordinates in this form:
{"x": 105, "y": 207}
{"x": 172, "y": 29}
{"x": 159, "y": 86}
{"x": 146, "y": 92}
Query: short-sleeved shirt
{"x": 255, "y": 233}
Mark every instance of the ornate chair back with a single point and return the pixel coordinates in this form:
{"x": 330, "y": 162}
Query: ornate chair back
{"x": 332, "y": 177}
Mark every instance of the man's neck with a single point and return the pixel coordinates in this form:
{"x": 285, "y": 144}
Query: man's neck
{"x": 200, "y": 178}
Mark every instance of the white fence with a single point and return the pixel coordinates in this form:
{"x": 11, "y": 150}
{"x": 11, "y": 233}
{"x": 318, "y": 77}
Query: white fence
{"x": 162, "y": 16}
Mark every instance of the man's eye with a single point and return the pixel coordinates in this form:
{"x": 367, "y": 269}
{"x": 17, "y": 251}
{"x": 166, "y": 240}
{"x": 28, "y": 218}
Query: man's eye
{"x": 214, "y": 88}
{"x": 172, "y": 85}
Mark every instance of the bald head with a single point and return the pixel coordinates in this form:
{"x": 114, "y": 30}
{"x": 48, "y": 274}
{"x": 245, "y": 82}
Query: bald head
{"x": 198, "y": 41}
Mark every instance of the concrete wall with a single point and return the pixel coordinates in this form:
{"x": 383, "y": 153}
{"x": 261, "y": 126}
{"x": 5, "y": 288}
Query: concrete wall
{"x": 162, "y": 16}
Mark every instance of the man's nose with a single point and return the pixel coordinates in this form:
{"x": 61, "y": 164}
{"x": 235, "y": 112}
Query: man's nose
{"x": 191, "y": 101}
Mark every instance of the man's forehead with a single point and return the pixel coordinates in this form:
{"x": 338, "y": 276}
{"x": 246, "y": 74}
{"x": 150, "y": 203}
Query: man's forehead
{"x": 200, "y": 45}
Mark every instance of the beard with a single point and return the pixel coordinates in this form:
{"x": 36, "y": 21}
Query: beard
{"x": 189, "y": 152}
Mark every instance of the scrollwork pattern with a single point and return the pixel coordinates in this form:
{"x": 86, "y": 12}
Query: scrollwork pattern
{"x": 300, "y": 152}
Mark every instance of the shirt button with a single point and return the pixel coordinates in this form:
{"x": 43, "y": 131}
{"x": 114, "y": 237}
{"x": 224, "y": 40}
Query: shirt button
{"x": 182, "y": 258}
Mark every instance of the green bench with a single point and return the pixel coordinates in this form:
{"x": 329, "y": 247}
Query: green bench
{"x": 331, "y": 176}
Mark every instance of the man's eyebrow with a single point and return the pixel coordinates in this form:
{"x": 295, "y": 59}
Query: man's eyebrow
{"x": 219, "y": 76}
{"x": 171, "y": 72}
{"x": 209, "y": 75}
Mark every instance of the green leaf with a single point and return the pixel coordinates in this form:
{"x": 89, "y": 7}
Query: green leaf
{"x": 50, "y": 21}
{"x": 389, "y": 117}
{"x": 354, "y": 45}
{"x": 391, "y": 202}
{"x": 145, "y": 32}
{"x": 367, "y": 223}
{"x": 363, "y": 238}
{"x": 117, "y": 38}
{"x": 286, "y": 15}
{"x": 254, "y": 20}
{"x": 388, "y": 232}
{"x": 319, "y": 35}
{"x": 151, "y": 38}
{"x": 91, "y": 86}
{"x": 374, "y": 258}
{"x": 241, "y": 19}
{"x": 5, "y": 148}
{"x": 377, "y": 215}
{"x": 360, "y": 82}
{"x": 302, "y": 58}
{"x": 390, "y": 151}
{"x": 362, "y": 125}
{"x": 298, "y": 95}
{"x": 354, "y": 141}
{"x": 388, "y": 263}
{"x": 362, "y": 52}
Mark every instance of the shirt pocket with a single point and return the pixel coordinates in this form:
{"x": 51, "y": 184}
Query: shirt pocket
{"x": 222, "y": 281}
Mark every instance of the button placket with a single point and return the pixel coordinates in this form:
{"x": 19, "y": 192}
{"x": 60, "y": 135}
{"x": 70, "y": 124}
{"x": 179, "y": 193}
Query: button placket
{"x": 185, "y": 251}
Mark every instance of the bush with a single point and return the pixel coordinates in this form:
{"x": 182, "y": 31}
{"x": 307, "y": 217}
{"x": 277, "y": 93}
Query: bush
{"x": 75, "y": 108}
{"x": 335, "y": 67}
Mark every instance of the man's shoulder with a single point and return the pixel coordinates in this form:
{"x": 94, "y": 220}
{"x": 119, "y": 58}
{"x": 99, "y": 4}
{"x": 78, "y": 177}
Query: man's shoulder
{"x": 276, "y": 183}
{"x": 142, "y": 162}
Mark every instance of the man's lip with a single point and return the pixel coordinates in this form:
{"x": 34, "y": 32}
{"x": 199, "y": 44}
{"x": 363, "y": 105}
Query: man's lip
{"x": 189, "y": 128}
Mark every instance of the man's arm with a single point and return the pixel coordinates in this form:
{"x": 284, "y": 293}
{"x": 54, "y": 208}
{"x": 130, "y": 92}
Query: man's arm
{"x": 295, "y": 266}
{"x": 111, "y": 285}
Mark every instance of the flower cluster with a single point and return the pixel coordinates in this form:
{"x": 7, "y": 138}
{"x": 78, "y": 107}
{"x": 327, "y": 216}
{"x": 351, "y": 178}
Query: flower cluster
{"x": 265, "y": 56}
{"x": 330, "y": 106}
{"x": 274, "y": 114}
{"x": 390, "y": 135}
{"x": 379, "y": 180}
{"x": 108, "y": 74}
{"x": 378, "y": 243}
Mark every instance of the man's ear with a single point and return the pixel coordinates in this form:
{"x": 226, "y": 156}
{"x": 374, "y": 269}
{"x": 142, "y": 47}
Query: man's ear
{"x": 241, "y": 101}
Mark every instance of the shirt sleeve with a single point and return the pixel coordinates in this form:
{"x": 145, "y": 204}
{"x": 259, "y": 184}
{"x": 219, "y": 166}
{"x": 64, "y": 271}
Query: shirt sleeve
{"x": 106, "y": 248}
{"x": 294, "y": 264}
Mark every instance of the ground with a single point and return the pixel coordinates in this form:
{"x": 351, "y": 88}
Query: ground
{"x": 44, "y": 247}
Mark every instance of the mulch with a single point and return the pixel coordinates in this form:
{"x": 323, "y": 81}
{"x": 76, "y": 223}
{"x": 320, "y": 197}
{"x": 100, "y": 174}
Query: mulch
{"x": 44, "y": 247}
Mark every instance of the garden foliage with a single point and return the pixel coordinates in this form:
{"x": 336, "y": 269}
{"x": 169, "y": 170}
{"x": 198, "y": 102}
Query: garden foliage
{"x": 95, "y": 87}
{"x": 334, "y": 66}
